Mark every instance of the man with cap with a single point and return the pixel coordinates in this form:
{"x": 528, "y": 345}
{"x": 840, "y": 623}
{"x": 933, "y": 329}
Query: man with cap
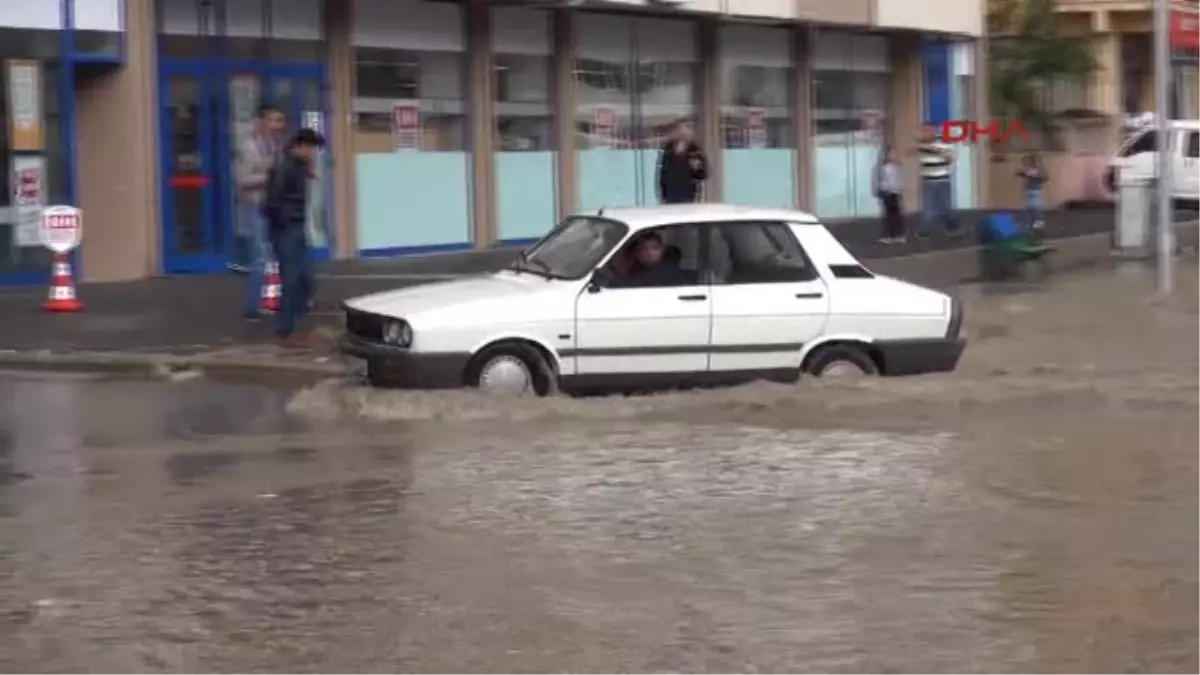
{"x": 286, "y": 211}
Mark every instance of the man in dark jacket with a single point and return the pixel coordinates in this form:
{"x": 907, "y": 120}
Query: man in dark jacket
{"x": 286, "y": 210}
{"x": 682, "y": 167}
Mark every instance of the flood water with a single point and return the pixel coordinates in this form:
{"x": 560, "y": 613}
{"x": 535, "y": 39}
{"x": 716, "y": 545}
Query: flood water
{"x": 1035, "y": 511}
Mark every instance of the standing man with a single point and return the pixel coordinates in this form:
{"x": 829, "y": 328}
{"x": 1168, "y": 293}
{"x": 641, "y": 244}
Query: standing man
{"x": 682, "y": 167}
{"x": 937, "y": 160}
{"x": 256, "y": 154}
{"x": 286, "y": 211}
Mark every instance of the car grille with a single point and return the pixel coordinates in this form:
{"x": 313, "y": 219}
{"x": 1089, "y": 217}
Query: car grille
{"x": 364, "y": 324}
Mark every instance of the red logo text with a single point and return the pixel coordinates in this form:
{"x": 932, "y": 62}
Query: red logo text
{"x": 970, "y": 131}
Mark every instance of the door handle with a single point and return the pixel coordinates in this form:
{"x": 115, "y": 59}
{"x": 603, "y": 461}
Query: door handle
{"x": 809, "y": 296}
{"x": 691, "y": 298}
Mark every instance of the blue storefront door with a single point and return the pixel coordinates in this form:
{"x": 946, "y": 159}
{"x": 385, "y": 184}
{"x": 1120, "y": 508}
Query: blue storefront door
{"x": 206, "y": 107}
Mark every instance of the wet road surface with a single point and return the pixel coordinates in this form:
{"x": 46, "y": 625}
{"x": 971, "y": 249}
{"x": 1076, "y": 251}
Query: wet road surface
{"x": 1034, "y": 512}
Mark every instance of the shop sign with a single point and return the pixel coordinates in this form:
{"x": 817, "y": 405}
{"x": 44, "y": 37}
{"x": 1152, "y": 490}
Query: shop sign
{"x": 62, "y": 228}
{"x": 28, "y": 198}
{"x": 756, "y": 128}
{"x": 406, "y": 126}
{"x": 1185, "y": 30}
{"x": 24, "y": 106}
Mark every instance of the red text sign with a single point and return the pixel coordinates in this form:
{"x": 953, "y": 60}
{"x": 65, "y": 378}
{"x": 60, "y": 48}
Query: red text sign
{"x": 970, "y": 131}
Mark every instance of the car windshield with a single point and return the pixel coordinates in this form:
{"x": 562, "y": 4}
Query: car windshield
{"x": 574, "y": 248}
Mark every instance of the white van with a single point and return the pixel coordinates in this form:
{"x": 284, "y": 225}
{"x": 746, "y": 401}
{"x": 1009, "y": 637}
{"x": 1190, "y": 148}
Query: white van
{"x": 1136, "y": 159}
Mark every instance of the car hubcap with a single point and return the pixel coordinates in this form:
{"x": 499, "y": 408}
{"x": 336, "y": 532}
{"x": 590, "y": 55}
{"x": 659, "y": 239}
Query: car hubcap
{"x": 841, "y": 369}
{"x": 505, "y": 374}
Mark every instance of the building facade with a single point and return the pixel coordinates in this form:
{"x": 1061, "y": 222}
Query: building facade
{"x": 1095, "y": 112}
{"x": 458, "y": 124}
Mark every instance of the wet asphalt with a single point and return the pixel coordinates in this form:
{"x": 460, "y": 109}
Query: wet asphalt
{"x": 1033, "y": 512}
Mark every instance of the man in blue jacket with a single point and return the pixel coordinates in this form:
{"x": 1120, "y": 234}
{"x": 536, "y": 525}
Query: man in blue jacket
{"x": 286, "y": 210}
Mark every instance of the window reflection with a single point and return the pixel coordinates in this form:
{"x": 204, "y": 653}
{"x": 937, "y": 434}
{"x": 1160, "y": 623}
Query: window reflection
{"x": 523, "y": 107}
{"x": 431, "y": 80}
{"x": 851, "y": 99}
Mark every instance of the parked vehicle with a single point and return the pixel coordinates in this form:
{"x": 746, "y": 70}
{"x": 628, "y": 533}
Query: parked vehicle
{"x": 1137, "y": 159}
{"x": 739, "y": 294}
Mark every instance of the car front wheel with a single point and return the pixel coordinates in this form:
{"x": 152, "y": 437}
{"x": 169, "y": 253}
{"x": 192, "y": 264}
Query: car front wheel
{"x": 511, "y": 368}
{"x": 837, "y": 361}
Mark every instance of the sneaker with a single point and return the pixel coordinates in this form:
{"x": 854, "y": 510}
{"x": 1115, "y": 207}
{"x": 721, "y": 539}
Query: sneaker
{"x": 900, "y": 240}
{"x": 886, "y": 240}
{"x": 1037, "y": 224}
{"x": 237, "y": 268}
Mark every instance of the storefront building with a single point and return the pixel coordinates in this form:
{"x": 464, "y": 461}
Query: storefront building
{"x": 458, "y": 125}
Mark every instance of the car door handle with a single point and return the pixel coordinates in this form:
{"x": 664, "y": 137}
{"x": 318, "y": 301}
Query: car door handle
{"x": 692, "y": 298}
{"x": 809, "y": 296}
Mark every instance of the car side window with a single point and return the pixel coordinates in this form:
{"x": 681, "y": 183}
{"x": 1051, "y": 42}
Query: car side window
{"x": 676, "y": 263}
{"x": 1147, "y": 142}
{"x": 758, "y": 253}
{"x": 1193, "y": 144}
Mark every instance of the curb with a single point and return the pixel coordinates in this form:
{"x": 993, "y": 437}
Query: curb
{"x": 177, "y": 368}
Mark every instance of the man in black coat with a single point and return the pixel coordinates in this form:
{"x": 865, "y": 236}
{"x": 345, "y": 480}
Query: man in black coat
{"x": 682, "y": 167}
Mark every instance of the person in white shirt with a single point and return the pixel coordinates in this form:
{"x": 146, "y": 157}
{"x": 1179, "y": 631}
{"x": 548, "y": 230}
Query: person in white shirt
{"x": 888, "y": 187}
{"x": 256, "y": 155}
{"x": 937, "y": 161}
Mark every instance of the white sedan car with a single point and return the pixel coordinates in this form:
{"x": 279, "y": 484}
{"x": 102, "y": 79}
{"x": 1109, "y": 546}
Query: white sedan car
{"x": 647, "y": 298}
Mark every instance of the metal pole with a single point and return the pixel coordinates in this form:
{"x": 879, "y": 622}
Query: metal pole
{"x": 1162, "y": 82}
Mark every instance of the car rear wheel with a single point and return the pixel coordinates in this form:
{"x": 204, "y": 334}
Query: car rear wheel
{"x": 839, "y": 361}
{"x": 512, "y": 368}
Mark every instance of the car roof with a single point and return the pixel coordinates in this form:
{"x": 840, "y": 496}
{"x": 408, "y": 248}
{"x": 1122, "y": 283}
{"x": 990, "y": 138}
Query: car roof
{"x": 643, "y": 217}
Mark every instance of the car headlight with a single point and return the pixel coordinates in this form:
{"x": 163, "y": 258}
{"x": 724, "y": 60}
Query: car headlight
{"x": 398, "y": 333}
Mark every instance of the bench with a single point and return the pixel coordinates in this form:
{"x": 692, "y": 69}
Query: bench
{"x": 1007, "y": 247}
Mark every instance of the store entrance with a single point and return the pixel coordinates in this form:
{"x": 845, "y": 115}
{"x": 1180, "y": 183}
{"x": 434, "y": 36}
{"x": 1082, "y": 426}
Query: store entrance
{"x": 206, "y": 106}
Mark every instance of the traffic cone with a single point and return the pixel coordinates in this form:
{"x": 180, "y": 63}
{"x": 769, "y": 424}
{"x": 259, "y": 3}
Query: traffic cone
{"x": 271, "y": 289}
{"x": 61, "y": 297}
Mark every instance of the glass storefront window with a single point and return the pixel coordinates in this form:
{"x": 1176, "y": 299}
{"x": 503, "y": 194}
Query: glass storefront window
{"x": 756, "y": 120}
{"x": 634, "y": 78}
{"x": 31, "y": 151}
{"x": 410, "y": 138}
{"x": 241, "y": 29}
{"x": 852, "y": 101}
{"x": 524, "y": 137}
{"x": 962, "y": 106}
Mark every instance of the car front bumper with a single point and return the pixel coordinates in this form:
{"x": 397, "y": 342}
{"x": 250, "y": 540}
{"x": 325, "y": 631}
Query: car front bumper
{"x": 405, "y": 368}
{"x": 914, "y": 357}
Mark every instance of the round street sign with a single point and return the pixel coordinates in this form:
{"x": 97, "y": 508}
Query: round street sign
{"x": 62, "y": 228}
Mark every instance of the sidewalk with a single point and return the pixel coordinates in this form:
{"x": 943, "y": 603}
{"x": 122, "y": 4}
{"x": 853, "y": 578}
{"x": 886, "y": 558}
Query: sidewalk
{"x": 174, "y": 322}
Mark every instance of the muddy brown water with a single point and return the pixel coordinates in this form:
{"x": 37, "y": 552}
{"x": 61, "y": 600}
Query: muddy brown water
{"x": 1035, "y": 511}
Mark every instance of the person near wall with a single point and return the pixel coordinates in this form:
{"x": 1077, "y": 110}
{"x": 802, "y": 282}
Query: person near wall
{"x": 682, "y": 167}
{"x": 1034, "y": 176}
{"x": 937, "y": 160}
{"x": 256, "y": 154}
{"x": 888, "y": 187}
{"x": 286, "y": 211}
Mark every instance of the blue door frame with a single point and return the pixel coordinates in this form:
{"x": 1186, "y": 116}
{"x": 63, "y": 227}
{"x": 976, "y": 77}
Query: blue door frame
{"x": 213, "y": 242}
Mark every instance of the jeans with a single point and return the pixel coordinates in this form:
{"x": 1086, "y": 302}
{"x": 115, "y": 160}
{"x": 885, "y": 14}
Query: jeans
{"x": 1035, "y": 200}
{"x": 255, "y": 260}
{"x": 295, "y": 273}
{"x": 935, "y": 205}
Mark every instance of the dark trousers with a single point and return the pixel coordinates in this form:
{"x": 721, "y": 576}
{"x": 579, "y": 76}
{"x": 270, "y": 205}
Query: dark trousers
{"x": 295, "y": 276}
{"x": 893, "y": 219}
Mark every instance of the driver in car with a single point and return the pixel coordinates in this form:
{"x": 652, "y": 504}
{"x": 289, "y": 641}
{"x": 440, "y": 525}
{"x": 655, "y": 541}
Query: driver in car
{"x": 653, "y": 264}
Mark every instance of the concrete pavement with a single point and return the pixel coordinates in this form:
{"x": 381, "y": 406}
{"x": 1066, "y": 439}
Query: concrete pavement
{"x": 183, "y": 319}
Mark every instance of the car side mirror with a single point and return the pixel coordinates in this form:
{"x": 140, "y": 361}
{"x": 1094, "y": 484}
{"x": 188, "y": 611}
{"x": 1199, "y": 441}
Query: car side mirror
{"x": 601, "y": 278}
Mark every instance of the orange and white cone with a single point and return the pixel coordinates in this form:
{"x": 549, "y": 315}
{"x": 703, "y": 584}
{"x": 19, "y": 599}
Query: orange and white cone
{"x": 271, "y": 289}
{"x": 61, "y": 297}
